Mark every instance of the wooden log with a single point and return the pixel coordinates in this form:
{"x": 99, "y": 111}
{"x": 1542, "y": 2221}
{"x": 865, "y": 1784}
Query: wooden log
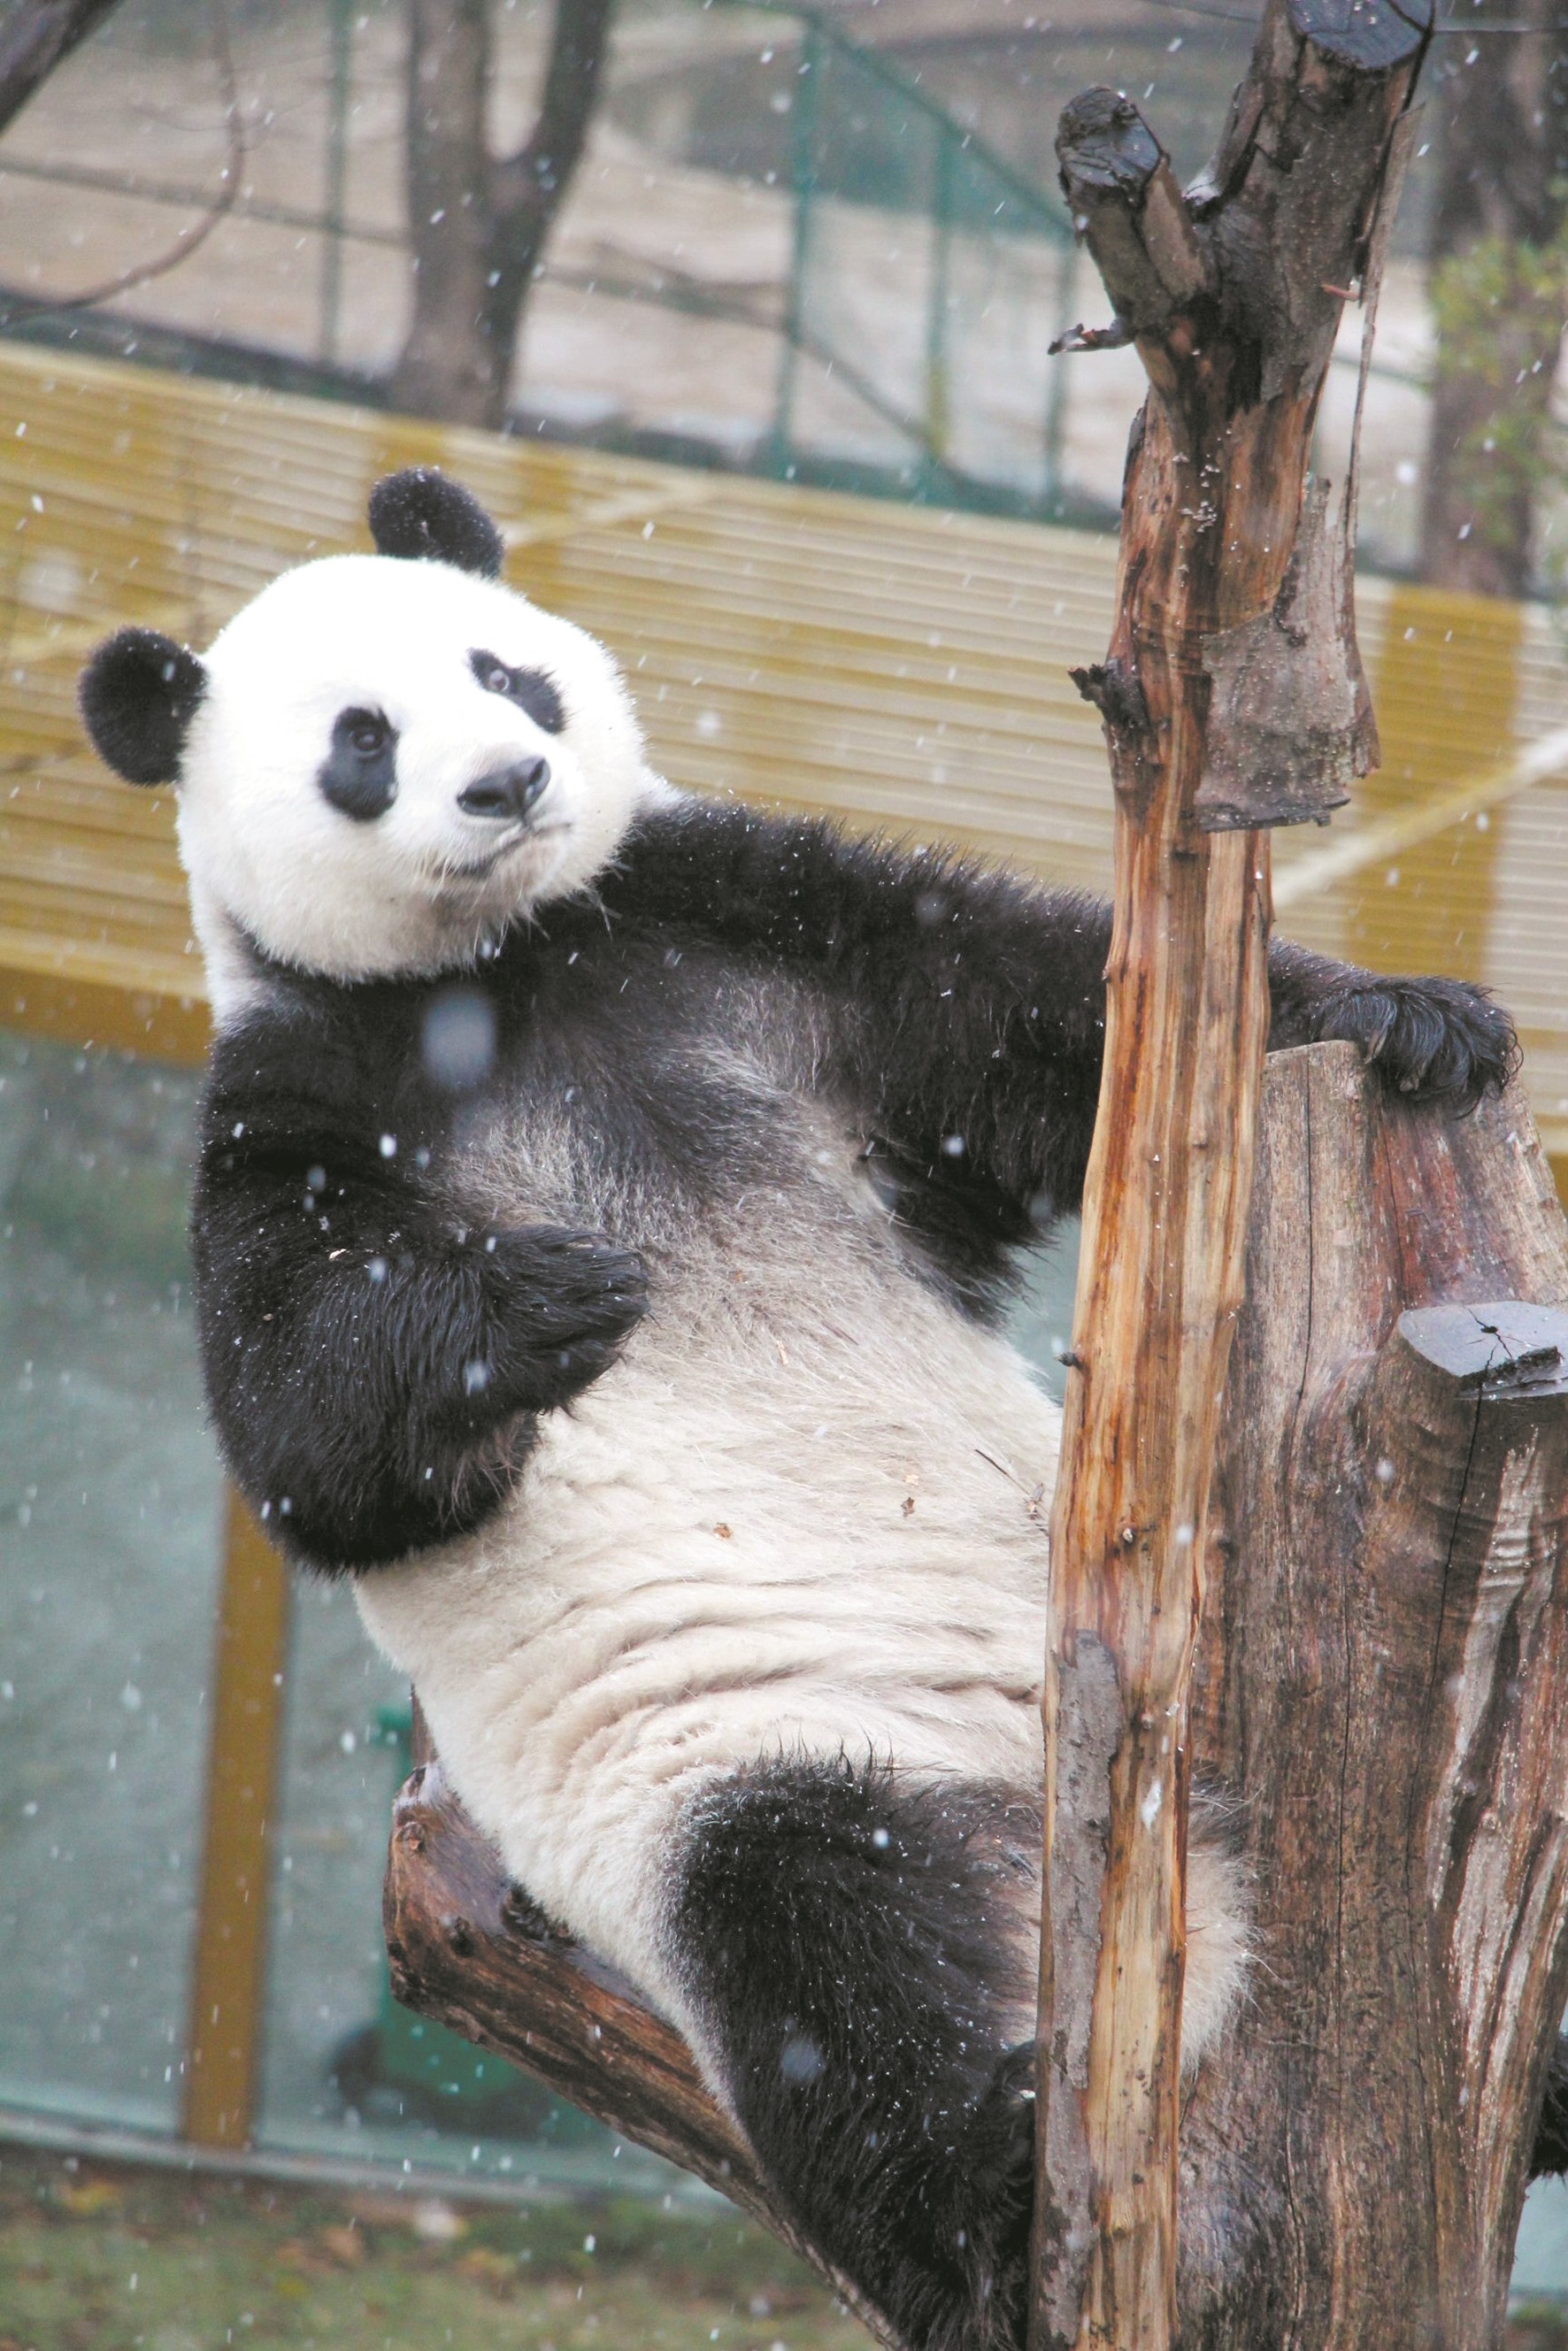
{"x": 466, "y": 1946}
{"x": 1233, "y": 665}
{"x": 1384, "y": 1684}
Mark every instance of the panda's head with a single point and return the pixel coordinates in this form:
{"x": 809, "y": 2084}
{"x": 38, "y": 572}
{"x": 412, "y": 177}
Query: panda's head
{"x": 383, "y": 759}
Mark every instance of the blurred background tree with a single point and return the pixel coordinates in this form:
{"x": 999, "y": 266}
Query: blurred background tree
{"x": 478, "y": 222}
{"x": 1499, "y": 248}
{"x": 35, "y": 37}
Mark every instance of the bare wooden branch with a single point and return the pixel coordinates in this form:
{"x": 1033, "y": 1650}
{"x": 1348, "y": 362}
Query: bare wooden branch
{"x": 190, "y": 238}
{"x": 465, "y": 1946}
{"x": 1234, "y": 637}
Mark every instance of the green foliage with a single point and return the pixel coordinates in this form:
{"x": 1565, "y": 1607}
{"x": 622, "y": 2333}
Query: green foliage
{"x": 1499, "y": 307}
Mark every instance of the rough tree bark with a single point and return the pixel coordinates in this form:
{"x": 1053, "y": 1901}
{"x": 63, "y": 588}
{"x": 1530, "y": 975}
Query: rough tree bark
{"x": 1383, "y": 1685}
{"x": 479, "y": 221}
{"x": 1233, "y": 699}
{"x": 1498, "y": 275}
{"x": 465, "y": 1946}
{"x": 37, "y": 36}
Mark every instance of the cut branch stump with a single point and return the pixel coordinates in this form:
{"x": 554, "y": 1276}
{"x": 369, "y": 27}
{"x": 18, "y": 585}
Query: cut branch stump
{"x": 1383, "y": 1682}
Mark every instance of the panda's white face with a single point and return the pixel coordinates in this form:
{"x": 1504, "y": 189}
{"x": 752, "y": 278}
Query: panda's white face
{"x": 390, "y": 761}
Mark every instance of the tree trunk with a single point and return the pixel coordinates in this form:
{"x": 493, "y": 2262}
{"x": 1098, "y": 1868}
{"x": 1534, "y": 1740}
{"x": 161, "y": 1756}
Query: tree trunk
{"x": 1381, "y": 1685}
{"x": 449, "y": 366}
{"x": 479, "y": 224}
{"x": 1498, "y": 268}
{"x": 1233, "y": 699}
{"x": 527, "y": 188}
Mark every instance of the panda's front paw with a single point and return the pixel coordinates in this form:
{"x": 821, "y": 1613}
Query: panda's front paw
{"x": 1436, "y": 1041}
{"x": 567, "y": 1302}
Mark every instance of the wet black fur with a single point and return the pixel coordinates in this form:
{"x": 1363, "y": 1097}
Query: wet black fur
{"x": 1551, "y": 2151}
{"x": 841, "y": 1935}
{"x": 424, "y": 516}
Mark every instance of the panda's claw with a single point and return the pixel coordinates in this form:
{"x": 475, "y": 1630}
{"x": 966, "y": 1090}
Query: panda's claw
{"x": 1432, "y": 1041}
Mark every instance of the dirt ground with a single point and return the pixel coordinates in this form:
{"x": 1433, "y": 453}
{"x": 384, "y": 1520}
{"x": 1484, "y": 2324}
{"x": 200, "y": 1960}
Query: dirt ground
{"x": 100, "y": 2259}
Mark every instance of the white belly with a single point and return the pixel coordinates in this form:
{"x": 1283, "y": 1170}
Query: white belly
{"x": 806, "y": 1512}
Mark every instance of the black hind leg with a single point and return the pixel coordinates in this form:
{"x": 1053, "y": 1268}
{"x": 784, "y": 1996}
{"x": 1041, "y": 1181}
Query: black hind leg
{"x": 1549, "y": 2152}
{"x": 847, "y": 1944}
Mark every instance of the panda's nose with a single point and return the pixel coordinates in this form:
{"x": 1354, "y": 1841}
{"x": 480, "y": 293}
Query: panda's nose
{"x": 509, "y": 792}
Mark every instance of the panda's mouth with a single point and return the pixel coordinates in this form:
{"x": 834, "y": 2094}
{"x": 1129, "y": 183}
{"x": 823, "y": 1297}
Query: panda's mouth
{"x": 479, "y": 870}
{"x": 483, "y": 867}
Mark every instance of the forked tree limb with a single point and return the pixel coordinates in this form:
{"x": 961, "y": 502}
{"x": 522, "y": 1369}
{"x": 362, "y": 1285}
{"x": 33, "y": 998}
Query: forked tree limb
{"x": 479, "y": 221}
{"x": 1233, "y": 296}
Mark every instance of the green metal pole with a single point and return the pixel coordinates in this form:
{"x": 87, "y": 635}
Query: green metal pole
{"x": 937, "y": 389}
{"x": 802, "y": 156}
{"x": 340, "y": 23}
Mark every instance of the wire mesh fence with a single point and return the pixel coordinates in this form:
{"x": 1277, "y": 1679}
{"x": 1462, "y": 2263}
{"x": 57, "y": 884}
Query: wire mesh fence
{"x": 911, "y": 280}
{"x": 928, "y": 283}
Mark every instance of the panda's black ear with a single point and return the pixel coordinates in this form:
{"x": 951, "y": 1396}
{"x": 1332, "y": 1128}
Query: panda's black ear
{"x": 422, "y": 515}
{"x": 139, "y": 695}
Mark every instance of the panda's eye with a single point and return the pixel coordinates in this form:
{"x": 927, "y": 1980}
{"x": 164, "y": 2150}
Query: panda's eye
{"x": 367, "y": 734}
{"x": 359, "y": 774}
{"x": 531, "y": 689}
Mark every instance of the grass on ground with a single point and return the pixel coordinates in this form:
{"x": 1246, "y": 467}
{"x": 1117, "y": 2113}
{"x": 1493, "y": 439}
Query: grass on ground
{"x": 96, "y": 2257}
{"x": 1541, "y": 2326}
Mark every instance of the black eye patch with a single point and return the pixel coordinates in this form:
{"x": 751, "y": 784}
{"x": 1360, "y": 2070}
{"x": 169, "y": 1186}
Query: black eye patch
{"x": 531, "y": 689}
{"x": 359, "y": 774}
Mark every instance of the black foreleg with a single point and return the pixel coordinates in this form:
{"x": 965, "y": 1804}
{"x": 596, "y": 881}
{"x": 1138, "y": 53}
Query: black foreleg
{"x": 848, "y": 1944}
{"x": 968, "y": 1008}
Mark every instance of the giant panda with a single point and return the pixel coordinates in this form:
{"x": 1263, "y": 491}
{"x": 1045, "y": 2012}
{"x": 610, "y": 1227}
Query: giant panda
{"x": 605, "y": 1204}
